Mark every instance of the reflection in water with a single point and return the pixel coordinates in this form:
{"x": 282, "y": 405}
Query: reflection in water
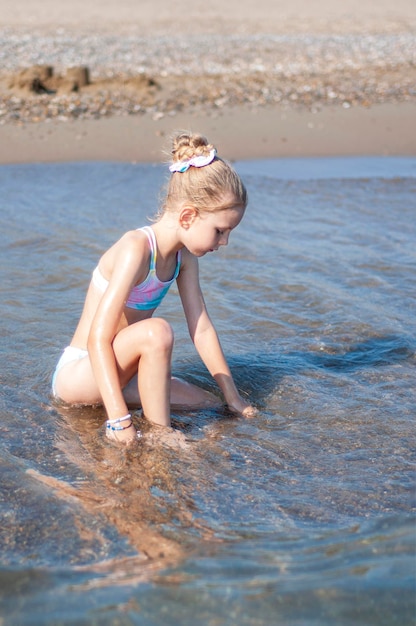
{"x": 135, "y": 489}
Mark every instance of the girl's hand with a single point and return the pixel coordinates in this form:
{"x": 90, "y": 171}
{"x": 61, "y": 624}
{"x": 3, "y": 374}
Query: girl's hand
{"x": 250, "y": 411}
{"x": 242, "y": 407}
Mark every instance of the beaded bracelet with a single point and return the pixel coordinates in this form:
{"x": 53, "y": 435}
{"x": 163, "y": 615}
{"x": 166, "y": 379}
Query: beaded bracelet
{"x": 118, "y": 421}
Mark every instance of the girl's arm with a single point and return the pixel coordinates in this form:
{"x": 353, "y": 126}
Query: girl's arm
{"x": 106, "y": 324}
{"x": 204, "y": 335}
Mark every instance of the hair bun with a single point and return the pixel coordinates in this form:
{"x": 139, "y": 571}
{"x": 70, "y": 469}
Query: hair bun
{"x": 186, "y": 145}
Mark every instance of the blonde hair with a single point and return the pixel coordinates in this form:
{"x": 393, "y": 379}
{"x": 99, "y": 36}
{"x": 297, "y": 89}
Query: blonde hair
{"x": 213, "y": 187}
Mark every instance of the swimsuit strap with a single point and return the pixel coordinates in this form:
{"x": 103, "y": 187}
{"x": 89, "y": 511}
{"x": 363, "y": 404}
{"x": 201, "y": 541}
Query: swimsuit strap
{"x": 153, "y": 246}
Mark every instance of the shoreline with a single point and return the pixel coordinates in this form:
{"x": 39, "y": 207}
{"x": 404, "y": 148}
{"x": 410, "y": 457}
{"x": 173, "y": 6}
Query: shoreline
{"x": 239, "y": 133}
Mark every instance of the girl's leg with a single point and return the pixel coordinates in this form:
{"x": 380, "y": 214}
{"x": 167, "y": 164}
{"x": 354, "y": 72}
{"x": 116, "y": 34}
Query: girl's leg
{"x": 144, "y": 348}
{"x": 186, "y": 395}
{"x": 183, "y": 395}
{"x": 152, "y": 365}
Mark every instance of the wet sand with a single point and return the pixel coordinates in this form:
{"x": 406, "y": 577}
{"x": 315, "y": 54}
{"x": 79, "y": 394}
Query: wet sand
{"x": 238, "y": 134}
{"x": 275, "y": 80}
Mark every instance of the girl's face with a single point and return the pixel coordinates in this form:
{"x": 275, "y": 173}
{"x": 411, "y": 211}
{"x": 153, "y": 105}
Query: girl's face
{"x": 211, "y": 229}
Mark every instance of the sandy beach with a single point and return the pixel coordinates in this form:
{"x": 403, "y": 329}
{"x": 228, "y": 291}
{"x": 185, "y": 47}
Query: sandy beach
{"x": 112, "y": 81}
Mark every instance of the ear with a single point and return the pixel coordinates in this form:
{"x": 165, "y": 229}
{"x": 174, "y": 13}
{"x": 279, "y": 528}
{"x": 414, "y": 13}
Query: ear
{"x": 187, "y": 216}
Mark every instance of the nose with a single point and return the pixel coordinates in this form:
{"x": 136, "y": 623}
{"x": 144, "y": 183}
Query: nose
{"x": 224, "y": 239}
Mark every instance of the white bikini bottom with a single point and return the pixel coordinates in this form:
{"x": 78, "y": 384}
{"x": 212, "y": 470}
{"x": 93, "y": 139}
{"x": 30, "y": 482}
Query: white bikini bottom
{"x": 69, "y": 354}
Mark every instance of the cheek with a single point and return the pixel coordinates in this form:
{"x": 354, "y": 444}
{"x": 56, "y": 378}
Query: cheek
{"x": 205, "y": 235}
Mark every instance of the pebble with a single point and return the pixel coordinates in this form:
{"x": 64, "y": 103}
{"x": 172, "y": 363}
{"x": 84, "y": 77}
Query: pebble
{"x": 206, "y": 73}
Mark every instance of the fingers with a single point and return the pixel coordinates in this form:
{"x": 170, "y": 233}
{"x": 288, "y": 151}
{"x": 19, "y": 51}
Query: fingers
{"x": 243, "y": 408}
{"x": 249, "y": 412}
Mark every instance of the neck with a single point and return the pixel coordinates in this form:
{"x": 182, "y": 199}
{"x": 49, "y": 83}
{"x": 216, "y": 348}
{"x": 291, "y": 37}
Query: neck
{"x": 167, "y": 236}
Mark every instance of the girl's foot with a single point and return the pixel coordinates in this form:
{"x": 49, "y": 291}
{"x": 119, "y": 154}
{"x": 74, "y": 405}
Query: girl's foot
{"x": 119, "y": 433}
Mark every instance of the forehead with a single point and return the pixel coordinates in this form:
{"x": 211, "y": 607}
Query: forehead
{"x": 228, "y": 218}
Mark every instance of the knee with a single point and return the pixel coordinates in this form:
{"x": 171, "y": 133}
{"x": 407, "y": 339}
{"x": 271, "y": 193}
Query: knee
{"x": 160, "y": 335}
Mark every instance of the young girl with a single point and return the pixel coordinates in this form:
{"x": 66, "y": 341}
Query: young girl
{"x": 120, "y": 355}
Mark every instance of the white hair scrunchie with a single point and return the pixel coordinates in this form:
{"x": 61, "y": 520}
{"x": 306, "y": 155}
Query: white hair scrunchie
{"x": 196, "y": 161}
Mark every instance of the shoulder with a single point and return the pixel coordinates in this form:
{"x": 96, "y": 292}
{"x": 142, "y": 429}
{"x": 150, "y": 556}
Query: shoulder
{"x": 189, "y": 262}
{"x": 133, "y": 243}
{"x": 133, "y": 237}
{"x": 130, "y": 253}
{"x": 187, "y": 258}
{"x": 188, "y": 278}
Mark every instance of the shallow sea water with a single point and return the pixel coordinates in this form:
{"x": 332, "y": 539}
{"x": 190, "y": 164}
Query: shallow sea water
{"x": 302, "y": 516}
